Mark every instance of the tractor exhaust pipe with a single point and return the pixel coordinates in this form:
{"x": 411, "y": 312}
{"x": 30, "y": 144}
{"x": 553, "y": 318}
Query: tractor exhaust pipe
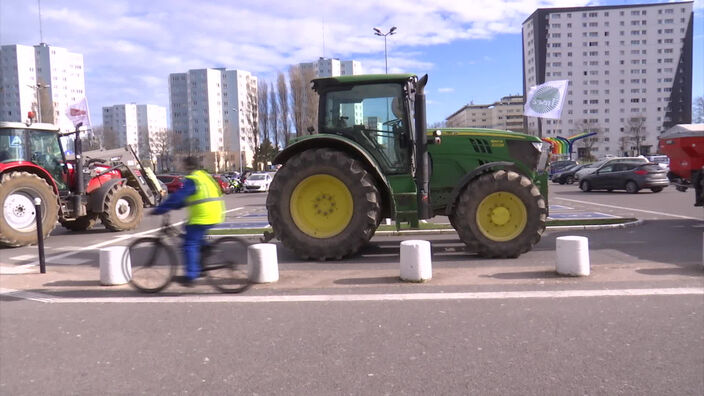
{"x": 79, "y": 207}
{"x": 422, "y": 161}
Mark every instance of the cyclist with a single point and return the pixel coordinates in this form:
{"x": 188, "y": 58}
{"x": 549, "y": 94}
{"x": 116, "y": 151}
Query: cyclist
{"x": 206, "y": 208}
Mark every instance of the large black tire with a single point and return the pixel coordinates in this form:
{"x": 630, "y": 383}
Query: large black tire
{"x": 122, "y": 209}
{"x": 80, "y": 224}
{"x": 18, "y": 216}
{"x": 341, "y": 214}
{"x": 500, "y": 215}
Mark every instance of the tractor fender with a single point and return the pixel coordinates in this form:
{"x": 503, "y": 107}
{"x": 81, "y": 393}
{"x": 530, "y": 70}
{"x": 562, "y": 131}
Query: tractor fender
{"x": 476, "y": 172}
{"x": 350, "y": 147}
{"x": 26, "y": 166}
{"x": 97, "y": 197}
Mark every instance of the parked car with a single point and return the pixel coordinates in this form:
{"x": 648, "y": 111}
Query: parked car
{"x": 257, "y": 182}
{"x": 629, "y": 176}
{"x": 173, "y": 182}
{"x": 566, "y": 175}
{"x": 559, "y": 166}
{"x": 224, "y": 183}
{"x": 590, "y": 168}
{"x": 662, "y": 160}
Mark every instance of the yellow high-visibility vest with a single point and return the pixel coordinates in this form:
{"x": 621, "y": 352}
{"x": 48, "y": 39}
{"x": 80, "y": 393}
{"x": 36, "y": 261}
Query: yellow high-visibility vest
{"x": 206, "y": 206}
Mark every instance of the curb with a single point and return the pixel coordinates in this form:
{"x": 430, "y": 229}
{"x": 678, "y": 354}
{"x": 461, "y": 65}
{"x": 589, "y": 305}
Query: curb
{"x": 452, "y": 231}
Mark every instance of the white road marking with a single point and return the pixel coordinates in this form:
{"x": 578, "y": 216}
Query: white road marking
{"x": 225, "y": 298}
{"x": 24, "y": 257}
{"x": 635, "y": 210}
{"x": 110, "y": 242}
{"x": 19, "y": 269}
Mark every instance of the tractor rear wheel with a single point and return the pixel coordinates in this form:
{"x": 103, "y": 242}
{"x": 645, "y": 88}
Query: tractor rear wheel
{"x": 17, "y": 223}
{"x": 323, "y": 205}
{"x": 80, "y": 224}
{"x": 122, "y": 209}
{"x": 500, "y": 214}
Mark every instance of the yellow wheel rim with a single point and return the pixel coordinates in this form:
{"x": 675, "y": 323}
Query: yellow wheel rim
{"x": 321, "y": 206}
{"x": 501, "y": 216}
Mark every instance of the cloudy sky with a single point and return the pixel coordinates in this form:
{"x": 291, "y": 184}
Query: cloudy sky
{"x": 471, "y": 49}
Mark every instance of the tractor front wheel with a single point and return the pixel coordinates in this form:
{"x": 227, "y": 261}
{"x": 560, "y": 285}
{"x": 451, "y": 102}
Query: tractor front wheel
{"x": 500, "y": 214}
{"x": 323, "y": 204}
{"x": 122, "y": 209}
{"x": 18, "y": 220}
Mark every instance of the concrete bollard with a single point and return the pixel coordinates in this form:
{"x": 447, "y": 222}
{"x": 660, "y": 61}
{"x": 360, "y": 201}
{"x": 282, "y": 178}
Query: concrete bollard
{"x": 416, "y": 262}
{"x": 112, "y": 271}
{"x": 262, "y": 263}
{"x": 573, "y": 256}
{"x": 387, "y": 221}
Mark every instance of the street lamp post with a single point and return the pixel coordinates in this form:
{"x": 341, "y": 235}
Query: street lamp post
{"x": 378, "y": 32}
{"x": 36, "y": 87}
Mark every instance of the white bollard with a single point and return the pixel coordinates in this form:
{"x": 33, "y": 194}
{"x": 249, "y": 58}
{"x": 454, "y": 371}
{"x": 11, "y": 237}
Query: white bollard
{"x": 262, "y": 263}
{"x": 416, "y": 262}
{"x": 112, "y": 272}
{"x": 387, "y": 221}
{"x": 573, "y": 256}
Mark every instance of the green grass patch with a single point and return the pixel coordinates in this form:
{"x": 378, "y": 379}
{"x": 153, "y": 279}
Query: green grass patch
{"x": 436, "y": 226}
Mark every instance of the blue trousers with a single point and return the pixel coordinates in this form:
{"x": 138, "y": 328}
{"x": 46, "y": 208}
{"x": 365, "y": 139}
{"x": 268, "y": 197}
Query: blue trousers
{"x": 192, "y": 242}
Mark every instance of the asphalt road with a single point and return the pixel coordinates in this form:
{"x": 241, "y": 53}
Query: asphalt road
{"x": 634, "y": 326}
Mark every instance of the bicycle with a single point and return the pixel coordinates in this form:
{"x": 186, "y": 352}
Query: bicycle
{"x": 154, "y": 261}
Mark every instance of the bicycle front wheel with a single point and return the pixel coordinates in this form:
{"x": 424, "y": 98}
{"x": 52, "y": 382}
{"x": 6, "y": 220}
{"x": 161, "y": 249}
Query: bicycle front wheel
{"x": 153, "y": 264}
{"x": 226, "y": 265}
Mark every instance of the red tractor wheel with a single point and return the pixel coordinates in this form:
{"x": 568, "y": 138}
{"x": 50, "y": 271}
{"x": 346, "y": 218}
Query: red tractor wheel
{"x": 18, "y": 220}
{"x": 122, "y": 209}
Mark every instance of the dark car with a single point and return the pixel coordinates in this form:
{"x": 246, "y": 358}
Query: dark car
{"x": 559, "y": 166}
{"x": 629, "y": 176}
{"x": 566, "y": 175}
{"x": 173, "y": 182}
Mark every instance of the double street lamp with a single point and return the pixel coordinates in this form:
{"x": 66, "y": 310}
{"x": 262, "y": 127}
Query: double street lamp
{"x": 378, "y": 32}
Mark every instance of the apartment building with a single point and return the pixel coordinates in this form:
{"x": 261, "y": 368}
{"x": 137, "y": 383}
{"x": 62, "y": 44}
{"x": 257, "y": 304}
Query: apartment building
{"x": 629, "y": 69}
{"x": 214, "y": 110}
{"x": 141, "y": 126}
{"x": 43, "y": 79}
{"x": 333, "y": 67}
{"x": 506, "y": 114}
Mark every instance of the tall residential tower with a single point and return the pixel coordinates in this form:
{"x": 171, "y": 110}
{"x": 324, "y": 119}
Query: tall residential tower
{"x": 40, "y": 77}
{"x": 629, "y": 69}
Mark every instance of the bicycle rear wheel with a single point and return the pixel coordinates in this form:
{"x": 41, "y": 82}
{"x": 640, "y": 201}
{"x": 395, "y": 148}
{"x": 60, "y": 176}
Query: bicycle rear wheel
{"x": 153, "y": 264}
{"x": 226, "y": 265}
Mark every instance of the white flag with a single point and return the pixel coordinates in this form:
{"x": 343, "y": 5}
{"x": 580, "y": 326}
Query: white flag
{"x": 546, "y": 100}
{"x": 78, "y": 113}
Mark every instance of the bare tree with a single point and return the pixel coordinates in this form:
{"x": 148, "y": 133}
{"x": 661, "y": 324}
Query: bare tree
{"x": 698, "y": 110}
{"x": 161, "y": 147}
{"x": 589, "y": 142}
{"x": 295, "y": 79}
{"x": 635, "y": 130}
{"x": 284, "y": 109}
{"x": 263, "y": 100}
{"x": 274, "y": 114}
{"x": 311, "y": 100}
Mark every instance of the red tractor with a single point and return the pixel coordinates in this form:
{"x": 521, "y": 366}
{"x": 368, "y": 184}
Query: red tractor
{"x": 74, "y": 190}
{"x": 684, "y": 144}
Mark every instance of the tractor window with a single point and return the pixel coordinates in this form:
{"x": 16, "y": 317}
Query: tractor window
{"x": 45, "y": 151}
{"x": 12, "y": 145}
{"x": 373, "y": 115}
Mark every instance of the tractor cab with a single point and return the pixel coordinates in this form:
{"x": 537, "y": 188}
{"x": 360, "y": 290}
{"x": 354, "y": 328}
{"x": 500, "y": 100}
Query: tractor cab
{"x": 36, "y": 145}
{"x": 374, "y": 112}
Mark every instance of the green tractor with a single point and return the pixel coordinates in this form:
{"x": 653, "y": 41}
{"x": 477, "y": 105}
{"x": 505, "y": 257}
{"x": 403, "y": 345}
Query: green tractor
{"x": 372, "y": 158}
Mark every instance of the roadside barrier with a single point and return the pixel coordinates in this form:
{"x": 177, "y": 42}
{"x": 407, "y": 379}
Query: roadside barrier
{"x": 416, "y": 262}
{"x": 111, "y": 270}
{"x": 262, "y": 263}
{"x": 572, "y": 256}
